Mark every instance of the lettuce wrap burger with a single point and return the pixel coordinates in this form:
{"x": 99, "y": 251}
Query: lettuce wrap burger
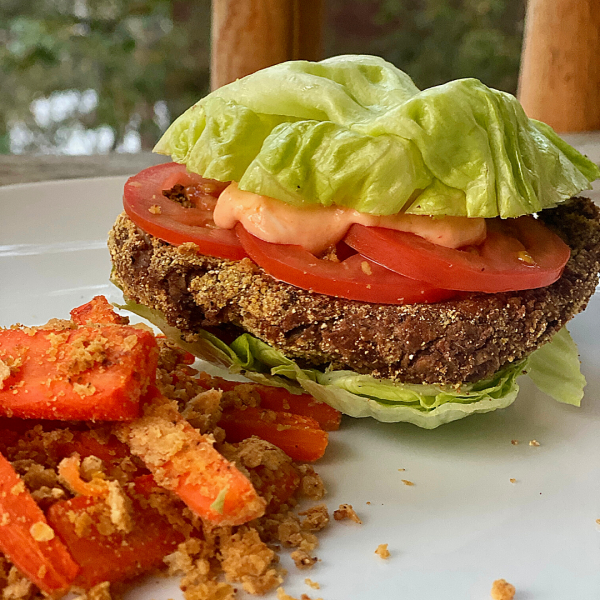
{"x": 396, "y": 253}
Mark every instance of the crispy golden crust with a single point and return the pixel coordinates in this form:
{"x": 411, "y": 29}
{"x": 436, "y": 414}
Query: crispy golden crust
{"x": 456, "y": 341}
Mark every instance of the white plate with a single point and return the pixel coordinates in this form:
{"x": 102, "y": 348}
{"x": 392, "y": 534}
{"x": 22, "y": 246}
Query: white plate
{"x": 461, "y": 526}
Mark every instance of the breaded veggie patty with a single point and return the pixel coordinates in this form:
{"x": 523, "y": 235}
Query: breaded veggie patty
{"x": 465, "y": 339}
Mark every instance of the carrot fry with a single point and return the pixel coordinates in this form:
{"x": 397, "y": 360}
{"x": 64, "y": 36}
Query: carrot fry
{"x": 27, "y": 539}
{"x": 98, "y": 311}
{"x": 185, "y": 462}
{"x": 118, "y": 556}
{"x": 280, "y": 400}
{"x": 299, "y": 437}
{"x": 84, "y": 373}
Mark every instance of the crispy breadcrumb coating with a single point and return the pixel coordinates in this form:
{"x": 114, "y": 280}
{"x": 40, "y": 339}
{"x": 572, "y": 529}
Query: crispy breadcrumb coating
{"x": 461, "y": 340}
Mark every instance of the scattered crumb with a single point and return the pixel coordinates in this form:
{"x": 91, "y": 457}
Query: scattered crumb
{"x": 155, "y": 209}
{"x": 407, "y": 482}
{"x": 317, "y": 518}
{"x": 597, "y": 521}
{"x": 41, "y": 532}
{"x": 502, "y": 590}
{"x": 382, "y": 551}
{"x": 313, "y": 584}
{"x": 513, "y": 480}
{"x": 281, "y": 595}
{"x": 514, "y": 442}
{"x": 534, "y": 443}
{"x": 369, "y": 503}
{"x": 98, "y": 592}
{"x": 302, "y": 559}
{"x": 401, "y": 469}
{"x": 345, "y": 511}
{"x": 311, "y": 484}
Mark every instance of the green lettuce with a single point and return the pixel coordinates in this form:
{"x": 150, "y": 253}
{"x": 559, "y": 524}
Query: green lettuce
{"x": 355, "y": 131}
{"x": 554, "y": 368}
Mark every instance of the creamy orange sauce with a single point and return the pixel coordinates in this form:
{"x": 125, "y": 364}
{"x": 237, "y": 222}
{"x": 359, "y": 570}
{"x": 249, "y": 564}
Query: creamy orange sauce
{"x": 319, "y": 227}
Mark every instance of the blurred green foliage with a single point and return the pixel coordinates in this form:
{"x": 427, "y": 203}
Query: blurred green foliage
{"x": 434, "y": 41}
{"x": 122, "y": 67}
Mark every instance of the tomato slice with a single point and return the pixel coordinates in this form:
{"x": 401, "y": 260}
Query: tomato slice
{"x": 170, "y": 221}
{"x": 518, "y": 254}
{"x": 354, "y": 278}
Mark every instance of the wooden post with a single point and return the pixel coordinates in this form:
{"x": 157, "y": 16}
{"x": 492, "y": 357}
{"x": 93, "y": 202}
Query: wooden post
{"x": 559, "y": 81}
{"x": 309, "y": 21}
{"x": 248, "y": 35}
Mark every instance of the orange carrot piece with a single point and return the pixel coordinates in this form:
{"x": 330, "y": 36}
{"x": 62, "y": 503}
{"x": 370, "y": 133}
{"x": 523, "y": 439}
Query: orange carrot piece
{"x": 85, "y": 373}
{"x": 27, "y": 539}
{"x": 119, "y": 556}
{"x": 185, "y": 462}
{"x": 281, "y": 400}
{"x": 98, "y": 311}
{"x": 299, "y": 437}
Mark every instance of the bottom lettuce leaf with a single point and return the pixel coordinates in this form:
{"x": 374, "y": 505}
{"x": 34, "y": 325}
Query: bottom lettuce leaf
{"x": 554, "y": 368}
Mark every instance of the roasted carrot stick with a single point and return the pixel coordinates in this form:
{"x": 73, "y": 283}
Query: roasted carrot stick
{"x": 98, "y": 311}
{"x": 27, "y": 539}
{"x": 279, "y": 399}
{"x": 299, "y": 437}
{"x": 185, "y": 462}
{"x": 118, "y": 556}
{"x": 84, "y": 373}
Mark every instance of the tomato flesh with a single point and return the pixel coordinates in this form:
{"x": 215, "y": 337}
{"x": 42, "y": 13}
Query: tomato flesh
{"x": 354, "y": 278}
{"x": 170, "y": 221}
{"x": 516, "y": 255}
{"x": 390, "y": 267}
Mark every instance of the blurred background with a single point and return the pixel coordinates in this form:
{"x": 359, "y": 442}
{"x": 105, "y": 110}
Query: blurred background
{"x": 102, "y": 76}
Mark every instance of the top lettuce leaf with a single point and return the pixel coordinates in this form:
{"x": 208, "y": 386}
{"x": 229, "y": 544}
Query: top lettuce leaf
{"x": 355, "y": 131}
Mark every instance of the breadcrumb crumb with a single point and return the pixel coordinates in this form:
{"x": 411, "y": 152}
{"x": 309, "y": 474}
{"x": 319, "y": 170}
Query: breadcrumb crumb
{"x": 345, "y": 511}
{"x": 317, "y": 518}
{"x": 313, "y": 584}
{"x": 534, "y": 443}
{"x": 281, "y": 595}
{"x": 502, "y": 590}
{"x": 382, "y": 551}
{"x": 41, "y": 532}
{"x": 98, "y": 592}
{"x": 407, "y": 482}
{"x": 302, "y": 559}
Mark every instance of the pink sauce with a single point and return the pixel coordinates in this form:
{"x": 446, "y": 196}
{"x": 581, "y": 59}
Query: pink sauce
{"x": 318, "y": 228}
